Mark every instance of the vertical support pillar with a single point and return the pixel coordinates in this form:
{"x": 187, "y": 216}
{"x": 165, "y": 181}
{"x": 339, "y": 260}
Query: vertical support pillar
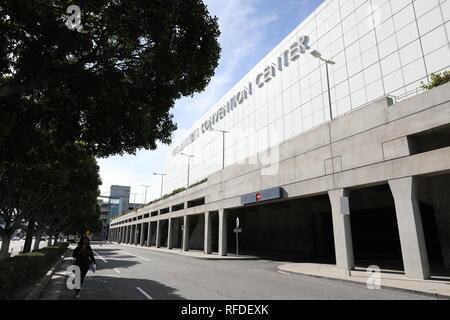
{"x": 412, "y": 239}
{"x": 186, "y": 233}
{"x": 342, "y": 230}
{"x": 208, "y": 234}
{"x": 136, "y": 234}
{"x": 130, "y": 241}
{"x": 169, "y": 234}
{"x": 141, "y": 243}
{"x": 149, "y": 235}
{"x": 222, "y": 232}
{"x": 158, "y": 234}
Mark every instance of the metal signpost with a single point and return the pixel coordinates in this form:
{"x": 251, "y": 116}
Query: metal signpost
{"x": 182, "y": 237}
{"x": 345, "y": 211}
{"x": 237, "y": 230}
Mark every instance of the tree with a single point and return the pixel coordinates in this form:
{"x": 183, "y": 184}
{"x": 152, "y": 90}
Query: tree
{"x": 29, "y": 174}
{"x": 112, "y": 83}
{"x": 74, "y": 207}
{"x": 45, "y": 184}
{"x": 107, "y": 88}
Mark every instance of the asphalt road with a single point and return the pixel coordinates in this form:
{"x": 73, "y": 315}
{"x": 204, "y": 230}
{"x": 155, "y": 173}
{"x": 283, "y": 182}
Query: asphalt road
{"x": 125, "y": 273}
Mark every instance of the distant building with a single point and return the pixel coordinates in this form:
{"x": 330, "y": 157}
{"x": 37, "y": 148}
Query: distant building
{"x": 119, "y": 201}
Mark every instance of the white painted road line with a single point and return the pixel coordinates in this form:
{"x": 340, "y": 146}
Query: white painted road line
{"x": 131, "y": 254}
{"x": 117, "y": 270}
{"x": 144, "y": 258}
{"x": 103, "y": 259}
{"x": 145, "y": 293}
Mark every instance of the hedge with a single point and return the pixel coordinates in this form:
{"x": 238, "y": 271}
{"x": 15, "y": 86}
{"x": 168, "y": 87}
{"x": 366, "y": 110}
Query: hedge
{"x": 20, "y": 270}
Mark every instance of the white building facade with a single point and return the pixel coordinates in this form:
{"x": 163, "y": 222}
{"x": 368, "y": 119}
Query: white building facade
{"x": 380, "y": 48}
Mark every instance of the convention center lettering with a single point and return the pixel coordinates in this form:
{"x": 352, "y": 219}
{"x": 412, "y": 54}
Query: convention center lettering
{"x": 265, "y": 76}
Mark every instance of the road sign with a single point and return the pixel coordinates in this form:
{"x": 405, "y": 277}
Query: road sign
{"x": 345, "y": 206}
{"x": 88, "y": 232}
{"x": 237, "y": 230}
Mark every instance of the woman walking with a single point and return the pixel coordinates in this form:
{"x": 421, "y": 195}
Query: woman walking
{"x": 84, "y": 257}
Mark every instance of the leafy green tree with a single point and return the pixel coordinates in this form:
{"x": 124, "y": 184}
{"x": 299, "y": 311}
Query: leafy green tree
{"x": 30, "y": 170}
{"x": 73, "y": 207}
{"x": 107, "y": 87}
{"x": 112, "y": 83}
{"x": 48, "y": 175}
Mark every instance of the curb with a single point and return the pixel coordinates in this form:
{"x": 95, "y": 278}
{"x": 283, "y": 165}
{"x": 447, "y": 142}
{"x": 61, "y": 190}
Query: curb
{"x": 186, "y": 255}
{"x": 437, "y": 296}
{"x": 40, "y": 286}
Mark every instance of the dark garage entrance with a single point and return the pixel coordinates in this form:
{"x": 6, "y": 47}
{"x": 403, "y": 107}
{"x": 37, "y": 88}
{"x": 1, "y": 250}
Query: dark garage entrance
{"x": 375, "y": 235}
{"x": 294, "y": 230}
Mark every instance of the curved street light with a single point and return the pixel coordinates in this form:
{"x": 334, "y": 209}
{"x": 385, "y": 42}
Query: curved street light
{"x": 189, "y": 166}
{"x": 318, "y": 55}
{"x": 162, "y": 180}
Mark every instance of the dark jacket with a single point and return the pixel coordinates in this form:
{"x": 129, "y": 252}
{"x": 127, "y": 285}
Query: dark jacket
{"x": 83, "y": 256}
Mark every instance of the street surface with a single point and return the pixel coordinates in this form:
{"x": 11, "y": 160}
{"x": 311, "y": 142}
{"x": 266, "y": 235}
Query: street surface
{"x": 125, "y": 273}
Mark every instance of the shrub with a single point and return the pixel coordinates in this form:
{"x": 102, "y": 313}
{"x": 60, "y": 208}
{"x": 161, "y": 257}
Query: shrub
{"x": 437, "y": 80}
{"x": 18, "y": 271}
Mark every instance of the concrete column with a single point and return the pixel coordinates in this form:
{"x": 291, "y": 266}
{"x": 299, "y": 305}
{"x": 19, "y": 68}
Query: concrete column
{"x": 342, "y": 231}
{"x": 440, "y": 190}
{"x": 169, "y": 234}
{"x": 136, "y": 234}
{"x": 131, "y": 239}
{"x": 122, "y": 235}
{"x": 131, "y": 235}
{"x": 222, "y": 232}
{"x": 412, "y": 239}
{"x": 186, "y": 233}
{"x": 158, "y": 234}
{"x": 142, "y": 235}
{"x": 208, "y": 234}
{"x": 149, "y": 235}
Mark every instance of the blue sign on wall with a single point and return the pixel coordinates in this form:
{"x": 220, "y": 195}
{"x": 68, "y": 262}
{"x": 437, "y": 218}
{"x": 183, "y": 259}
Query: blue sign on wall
{"x": 264, "y": 195}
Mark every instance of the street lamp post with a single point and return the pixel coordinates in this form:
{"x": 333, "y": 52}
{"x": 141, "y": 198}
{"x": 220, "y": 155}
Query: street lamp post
{"x": 145, "y": 201}
{"x": 223, "y": 145}
{"x": 162, "y": 180}
{"x": 318, "y": 55}
{"x": 189, "y": 165}
{"x": 134, "y": 193}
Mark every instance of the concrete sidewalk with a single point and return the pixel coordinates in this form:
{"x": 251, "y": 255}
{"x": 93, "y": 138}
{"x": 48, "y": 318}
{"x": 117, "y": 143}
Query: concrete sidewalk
{"x": 197, "y": 254}
{"x": 436, "y": 286}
